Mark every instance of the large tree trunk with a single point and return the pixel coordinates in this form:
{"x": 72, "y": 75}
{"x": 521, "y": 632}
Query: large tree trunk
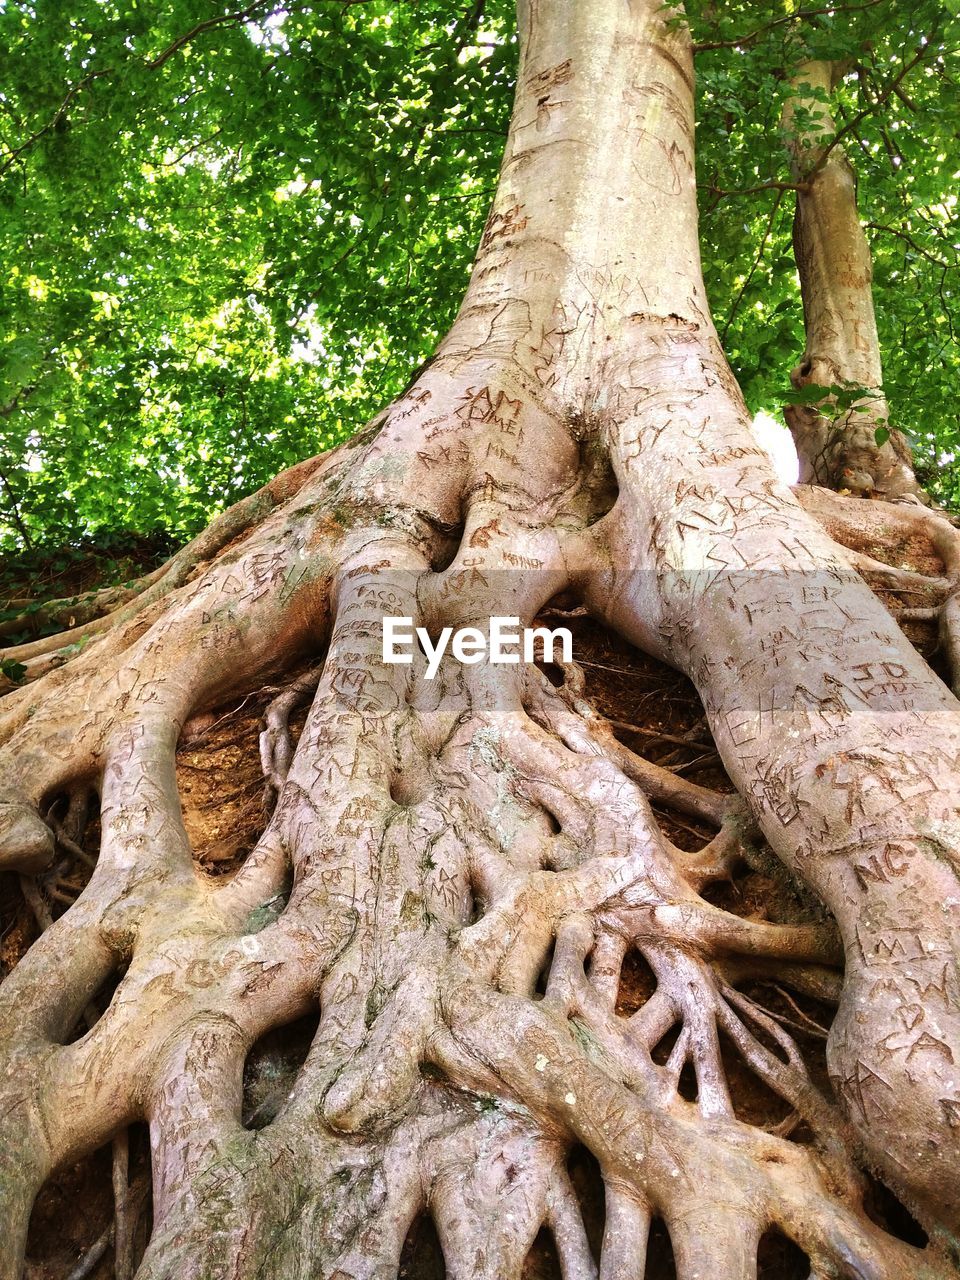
{"x": 846, "y": 446}
{"x": 436, "y": 844}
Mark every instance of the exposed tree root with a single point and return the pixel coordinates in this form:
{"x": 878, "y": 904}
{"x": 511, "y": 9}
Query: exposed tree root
{"x": 449, "y": 790}
{"x": 102, "y": 610}
{"x": 902, "y": 523}
{"x": 276, "y": 745}
{"x": 458, "y": 872}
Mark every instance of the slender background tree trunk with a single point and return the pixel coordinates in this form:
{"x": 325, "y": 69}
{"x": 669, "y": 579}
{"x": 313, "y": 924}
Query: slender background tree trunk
{"x": 841, "y": 449}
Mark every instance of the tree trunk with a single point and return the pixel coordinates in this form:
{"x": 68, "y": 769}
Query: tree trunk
{"x": 850, "y": 445}
{"x": 437, "y": 844}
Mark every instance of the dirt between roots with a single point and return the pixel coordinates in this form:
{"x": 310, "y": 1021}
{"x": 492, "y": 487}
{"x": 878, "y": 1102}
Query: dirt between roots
{"x": 224, "y": 822}
{"x": 76, "y": 1207}
{"x": 71, "y": 1212}
{"x": 657, "y": 713}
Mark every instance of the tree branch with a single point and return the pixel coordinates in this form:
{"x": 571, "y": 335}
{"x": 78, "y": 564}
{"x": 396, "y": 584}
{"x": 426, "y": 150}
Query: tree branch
{"x": 15, "y": 510}
{"x": 54, "y": 120}
{"x": 882, "y": 97}
{"x": 738, "y": 42}
{"x": 722, "y": 192}
{"x": 908, "y": 239}
{"x": 241, "y": 15}
{"x": 756, "y": 263}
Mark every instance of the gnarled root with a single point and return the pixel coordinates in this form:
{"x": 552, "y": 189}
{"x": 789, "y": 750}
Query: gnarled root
{"x": 457, "y": 871}
{"x": 855, "y": 526}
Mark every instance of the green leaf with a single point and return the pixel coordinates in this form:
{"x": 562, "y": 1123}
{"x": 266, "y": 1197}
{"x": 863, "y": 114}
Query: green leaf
{"x": 812, "y": 393}
{"x": 14, "y": 671}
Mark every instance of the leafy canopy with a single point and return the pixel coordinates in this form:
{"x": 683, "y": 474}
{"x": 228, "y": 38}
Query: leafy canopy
{"x": 227, "y": 236}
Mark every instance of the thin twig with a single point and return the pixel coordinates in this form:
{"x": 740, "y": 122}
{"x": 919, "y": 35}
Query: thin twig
{"x": 241, "y": 15}
{"x": 671, "y": 817}
{"x": 722, "y": 192}
{"x": 656, "y": 735}
{"x": 59, "y": 896}
{"x": 71, "y": 846}
{"x": 93, "y": 1255}
{"x": 756, "y": 263}
{"x": 738, "y": 42}
{"x": 908, "y": 239}
{"x": 815, "y": 1026}
{"x": 123, "y": 1260}
{"x": 41, "y": 912}
{"x": 880, "y": 101}
{"x": 15, "y": 511}
{"x": 54, "y": 120}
